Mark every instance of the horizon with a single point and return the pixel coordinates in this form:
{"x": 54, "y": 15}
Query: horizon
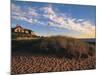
{"x": 56, "y": 35}
{"x": 51, "y": 19}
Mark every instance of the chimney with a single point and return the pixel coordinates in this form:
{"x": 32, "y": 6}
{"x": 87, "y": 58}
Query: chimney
{"x": 17, "y": 25}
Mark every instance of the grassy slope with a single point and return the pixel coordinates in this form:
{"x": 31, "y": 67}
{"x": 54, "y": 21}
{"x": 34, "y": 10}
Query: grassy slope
{"x": 42, "y": 55}
{"x": 54, "y": 45}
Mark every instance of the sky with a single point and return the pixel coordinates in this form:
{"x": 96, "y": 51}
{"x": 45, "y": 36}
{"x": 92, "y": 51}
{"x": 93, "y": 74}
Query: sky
{"x": 51, "y": 19}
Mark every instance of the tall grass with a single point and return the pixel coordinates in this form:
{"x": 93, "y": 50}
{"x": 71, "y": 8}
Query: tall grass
{"x": 50, "y": 54}
{"x": 62, "y": 46}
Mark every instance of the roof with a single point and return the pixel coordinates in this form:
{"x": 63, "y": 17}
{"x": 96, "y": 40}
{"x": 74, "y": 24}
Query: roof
{"x": 21, "y": 27}
{"x": 28, "y": 30}
{"x": 18, "y": 26}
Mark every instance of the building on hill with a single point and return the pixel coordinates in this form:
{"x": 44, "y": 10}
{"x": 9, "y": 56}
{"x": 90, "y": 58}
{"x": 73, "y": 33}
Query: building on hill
{"x": 21, "y": 32}
{"x": 19, "y": 29}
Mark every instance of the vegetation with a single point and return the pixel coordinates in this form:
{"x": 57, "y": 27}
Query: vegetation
{"x": 49, "y": 54}
{"x": 40, "y": 63}
{"x": 62, "y": 46}
{"x": 16, "y": 35}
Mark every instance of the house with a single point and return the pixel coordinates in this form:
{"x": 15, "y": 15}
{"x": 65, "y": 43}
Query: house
{"x": 21, "y": 32}
{"x": 19, "y": 29}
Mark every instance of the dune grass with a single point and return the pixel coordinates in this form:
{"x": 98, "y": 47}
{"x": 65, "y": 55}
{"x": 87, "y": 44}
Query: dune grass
{"x": 50, "y": 54}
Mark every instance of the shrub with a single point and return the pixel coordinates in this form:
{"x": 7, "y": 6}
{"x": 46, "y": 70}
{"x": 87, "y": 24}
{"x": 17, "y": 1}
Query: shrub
{"x": 61, "y": 46}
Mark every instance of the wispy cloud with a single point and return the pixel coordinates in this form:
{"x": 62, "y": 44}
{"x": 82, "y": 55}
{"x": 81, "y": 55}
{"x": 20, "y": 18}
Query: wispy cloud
{"x": 82, "y": 26}
{"x": 20, "y": 14}
{"x": 56, "y": 19}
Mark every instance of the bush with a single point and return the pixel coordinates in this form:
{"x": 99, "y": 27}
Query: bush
{"x": 66, "y": 46}
{"x": 61, "y": 46}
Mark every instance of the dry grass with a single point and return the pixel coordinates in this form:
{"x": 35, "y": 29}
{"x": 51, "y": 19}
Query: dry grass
{"x": 70, "y": 47}
{"x": 52, "y": 54}
{"x": 38, "y": 63}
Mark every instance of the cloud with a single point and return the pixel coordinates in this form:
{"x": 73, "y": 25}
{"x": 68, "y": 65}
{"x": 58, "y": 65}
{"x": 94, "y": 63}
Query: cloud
{"x": 56, "y": 19}
{"x": 32, "y": 12}
{"x": 85, "y": 28}
{"x": 49, "y": 10}
{"x": 26, "y": 15}
{"x": 80, "y": 20}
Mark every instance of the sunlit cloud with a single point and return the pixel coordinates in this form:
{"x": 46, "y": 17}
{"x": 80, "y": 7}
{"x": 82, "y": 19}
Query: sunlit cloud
{"x": 85, "y": 28}
{"x": 51, "y": 16}
{"x": 80, "y": 20}
{"x": 19, "y": 14}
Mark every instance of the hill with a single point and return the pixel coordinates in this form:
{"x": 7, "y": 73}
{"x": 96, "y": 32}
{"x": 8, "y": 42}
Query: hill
{"x": 56, "y": 45}
{"x": 89, "y": 40}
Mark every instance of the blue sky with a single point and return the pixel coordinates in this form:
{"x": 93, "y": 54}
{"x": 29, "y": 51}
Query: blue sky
{"x": 47, "y": 19}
